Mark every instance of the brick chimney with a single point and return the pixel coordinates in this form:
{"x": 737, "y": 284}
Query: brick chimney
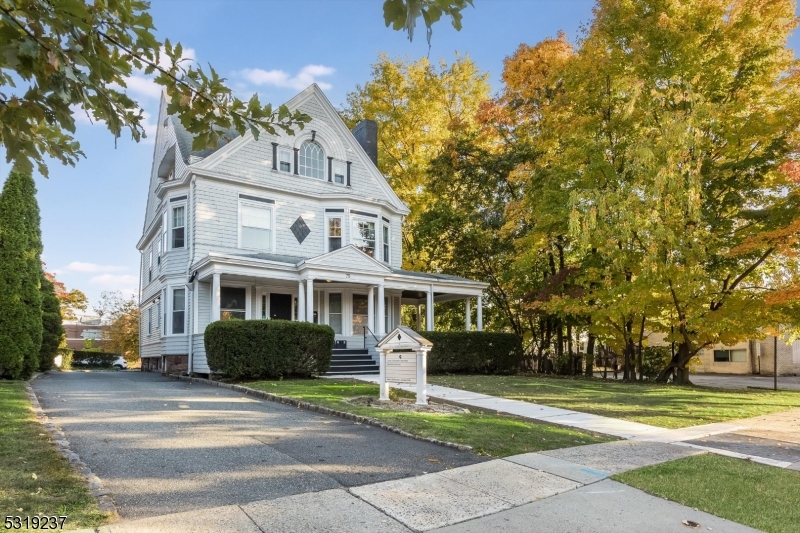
{"x": 366, "y": 133}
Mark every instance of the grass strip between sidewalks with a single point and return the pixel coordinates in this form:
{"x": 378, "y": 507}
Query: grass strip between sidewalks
{"x": 759, "y": 496}
{"x": 35, "y": 479}
{"x": 667, "y": 406}
{"x": 488, "y": 434}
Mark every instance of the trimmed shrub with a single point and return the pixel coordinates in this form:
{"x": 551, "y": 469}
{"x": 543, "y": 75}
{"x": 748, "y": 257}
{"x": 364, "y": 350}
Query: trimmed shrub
{"x": 87, "y": 358}
{"x": 473, "y": 352}
{"x": 655, "y": 359}
{"x": 66, "y": 357}
{"x": 52, "y": 329}
{"x": 254, "y": 349}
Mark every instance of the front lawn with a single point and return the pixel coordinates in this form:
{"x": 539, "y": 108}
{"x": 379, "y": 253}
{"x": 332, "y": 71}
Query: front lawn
{"x": 759, "y": 496}
{"x": 667, "y": 406}
{"x": 488, "y": 434}
{"x": 35, "y": 479}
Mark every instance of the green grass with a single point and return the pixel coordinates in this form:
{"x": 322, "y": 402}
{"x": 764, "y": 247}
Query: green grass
{"x": 760, "y": 496}
{"x": 25, "y": 450}
{"x": 488, "y": 434}
{"x": 667, "y": 406}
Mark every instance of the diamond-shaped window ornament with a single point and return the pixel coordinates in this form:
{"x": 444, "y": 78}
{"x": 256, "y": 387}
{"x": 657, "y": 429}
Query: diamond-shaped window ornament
{"x": 300, "y": 229}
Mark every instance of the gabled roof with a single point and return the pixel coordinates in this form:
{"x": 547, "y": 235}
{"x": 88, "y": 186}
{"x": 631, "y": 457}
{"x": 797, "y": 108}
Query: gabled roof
{"x": 431, "y": 276}
{"x": 403, "y": 335}
{"x": 350, "y": 257}
{"x": 185, "y": 139}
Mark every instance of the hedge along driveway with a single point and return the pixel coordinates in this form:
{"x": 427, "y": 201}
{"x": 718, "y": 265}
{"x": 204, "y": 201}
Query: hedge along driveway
{"x": 475, "y": 352}
{"x": 244, "y": 349}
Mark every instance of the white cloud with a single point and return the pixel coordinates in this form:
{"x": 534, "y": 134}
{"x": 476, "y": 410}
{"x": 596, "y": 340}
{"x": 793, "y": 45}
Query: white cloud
{"x": 77, "y": 266}
{"x": 114, "y": 282}
{"x": 279, "y": 78}
{"x": 143, "y": 86}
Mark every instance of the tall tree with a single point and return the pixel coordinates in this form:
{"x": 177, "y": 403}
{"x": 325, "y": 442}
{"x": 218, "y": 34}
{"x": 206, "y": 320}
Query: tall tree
{"x": 20, "y": 276}
{"x": 52, "y": 328}
{"x": 417, "y": 106}
{"x": 678, "y": 123}
{"x": 122, "y": 336}
{"x": 70, "y": 301}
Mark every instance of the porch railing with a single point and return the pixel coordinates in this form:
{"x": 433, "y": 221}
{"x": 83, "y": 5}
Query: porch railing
{"x": 366, "y": 329}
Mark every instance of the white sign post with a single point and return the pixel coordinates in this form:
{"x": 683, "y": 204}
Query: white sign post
{"x": 404, "y": 361}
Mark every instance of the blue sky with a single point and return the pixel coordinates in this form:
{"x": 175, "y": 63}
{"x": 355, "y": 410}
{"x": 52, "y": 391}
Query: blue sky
{"x": 92, "y": 214}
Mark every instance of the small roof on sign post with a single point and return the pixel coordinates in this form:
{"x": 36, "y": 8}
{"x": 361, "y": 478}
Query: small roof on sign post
{"x": 404, "y": 337}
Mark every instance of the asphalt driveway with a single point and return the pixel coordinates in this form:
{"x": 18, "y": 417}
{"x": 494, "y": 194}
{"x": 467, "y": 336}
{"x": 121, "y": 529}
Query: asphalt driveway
{"x": 163, "y": 446}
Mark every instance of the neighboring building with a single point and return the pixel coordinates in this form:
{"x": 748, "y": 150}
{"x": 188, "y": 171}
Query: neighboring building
{"x": 85, "y": 328}
{"x": 300, "y": 227}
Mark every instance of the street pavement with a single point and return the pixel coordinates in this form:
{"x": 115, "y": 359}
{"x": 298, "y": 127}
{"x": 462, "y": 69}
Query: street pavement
{"x": 524, "y": 493}
{"x": 163, "y": 446}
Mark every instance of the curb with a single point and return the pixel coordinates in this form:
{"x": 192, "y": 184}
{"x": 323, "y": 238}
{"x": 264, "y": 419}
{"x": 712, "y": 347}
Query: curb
{"x": 322, "y": 410}
{"x": 104, "y": 498}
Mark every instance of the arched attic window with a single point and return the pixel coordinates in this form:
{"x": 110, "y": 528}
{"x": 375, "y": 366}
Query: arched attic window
{"x": 312, "y": 160}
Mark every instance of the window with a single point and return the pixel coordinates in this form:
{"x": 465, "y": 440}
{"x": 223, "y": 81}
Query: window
{"x": 178, "y": 311}
{"x": 730, "y": 356}
{"x": 312, "y": 160}
{"x": 385, "y": 244}
{"x": 335, "y": 312}
{"x": 150, "y": 265}
{"x": 334, "y": 233}
{"x": 149, "y": 320}
{"x": 256, "y": 227}
{"x": 386, "y": 314}
{"x": 360, "y": 310}
{"x": 285, "y": 160}
{"x": 232, "y": 303}
{"x": 338, "y": 172}
{"x": 364, "y": 236}
{"x": 158, "y": 310}
{"x": 178, "y": 227}
{"x": 164, "y": 230}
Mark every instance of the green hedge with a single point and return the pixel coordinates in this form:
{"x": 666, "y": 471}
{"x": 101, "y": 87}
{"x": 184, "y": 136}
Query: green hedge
{"x": 93, "y": 358}
{"x": 473, "y": 352}
{"x": 268, "y": 348}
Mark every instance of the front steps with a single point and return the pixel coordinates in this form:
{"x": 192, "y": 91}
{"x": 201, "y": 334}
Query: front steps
{"x": 352, "y": 361}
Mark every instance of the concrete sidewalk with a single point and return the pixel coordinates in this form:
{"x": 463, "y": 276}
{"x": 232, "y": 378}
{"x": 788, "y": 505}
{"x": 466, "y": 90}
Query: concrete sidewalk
{"x": 559, "y": 490}
{"x": 689, "y": 436}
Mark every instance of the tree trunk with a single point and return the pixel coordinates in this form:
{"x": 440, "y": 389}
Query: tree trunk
{"x": 569, "y": 350}
{"x": 641, "y": 356}
{"x": 628, "y": 355}
{"x": 589, "y": 372}
{"x": 559, "y": 343}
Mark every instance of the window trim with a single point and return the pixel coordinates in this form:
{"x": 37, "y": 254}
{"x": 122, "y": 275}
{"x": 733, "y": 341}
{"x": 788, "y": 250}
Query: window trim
{"x": 288, "y": 151}
{"x": 359, "y": 217}
{"x": 342, "y": 218}
{"x": 171, "y": 314}
{"x": 386, "y": 243}
{"x": 343, "y": 166}
{"x": 172, "y": 227}
{"x": 300, "y": 166}
{"x": 248, "y": 307}
{"x": 260, "y": 205}
{"x": 149, "y": 320}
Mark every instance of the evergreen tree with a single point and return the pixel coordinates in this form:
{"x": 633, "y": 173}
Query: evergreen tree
{"x": 20, "y": 278}
{"x": 53, "y": 330}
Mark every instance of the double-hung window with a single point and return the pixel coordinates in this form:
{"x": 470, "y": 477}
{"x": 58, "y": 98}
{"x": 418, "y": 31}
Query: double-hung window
{"x": 338, "y": 172}
{"x": 178, "y": 226}
{"x": 232, "y": 303}
{"x": 150, "y": 265}
{"x": 364, "y": 236}
{"x": 255, "y": 226}
{"x": 149, "y": 320}
{"x": 285, "y": 160}
{"x": 385, "y": 242}
{"x": 334, "y": 233}
{"x": 158, "y": 318}
{"x": 178, "y": 311}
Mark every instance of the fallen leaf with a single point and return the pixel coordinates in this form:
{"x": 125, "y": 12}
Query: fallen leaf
{"x": 34, "y": 476}
{"x": 433, "y": 460}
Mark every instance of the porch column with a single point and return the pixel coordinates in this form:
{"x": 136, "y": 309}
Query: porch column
{"x": 480, "y": 313}
{"x": 371, "y": 309}
{"x": 468, "y": 301}
{"x": 310, "y": 301}
{"x": 381, "y": 312}
{"x": 215, "y": 314}
{"x": 301, "y": 301}
{"x": 419, "y": 317}
{"x": 429, "y": 310}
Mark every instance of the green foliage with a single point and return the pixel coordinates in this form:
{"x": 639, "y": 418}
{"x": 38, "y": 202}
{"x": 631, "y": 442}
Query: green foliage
{"x": 654, "y": 360}
{"x": 268, "y": 348}
{"x": 52, "y": 329}
{"x": 403, "y": 14}
{"x": 20, "y": 277}
{"x": 93, "y": 358}
{"x": 73, "y": 54}
{"x": 66, "y": 356}
{"x": 474, "y": 352}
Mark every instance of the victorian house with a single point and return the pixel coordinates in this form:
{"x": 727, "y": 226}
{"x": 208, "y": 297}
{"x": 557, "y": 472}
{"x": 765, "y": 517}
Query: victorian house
{"x": 291, "y": 227}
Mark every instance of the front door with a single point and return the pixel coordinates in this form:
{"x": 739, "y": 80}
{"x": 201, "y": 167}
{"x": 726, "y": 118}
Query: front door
{"x": 280, "y": 306}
